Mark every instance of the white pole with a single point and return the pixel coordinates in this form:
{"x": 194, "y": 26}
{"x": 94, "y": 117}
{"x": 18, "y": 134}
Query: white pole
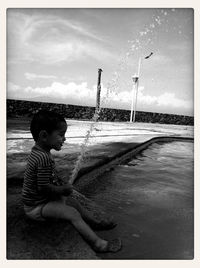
{"x": 133, "y": 89}
{"x": 136, "y": 85}
{"x": 136, "y": 88}
{"x": 136, "y": 93}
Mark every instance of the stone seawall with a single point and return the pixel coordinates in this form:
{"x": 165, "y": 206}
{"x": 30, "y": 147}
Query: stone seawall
{"x": 18, "y": 108}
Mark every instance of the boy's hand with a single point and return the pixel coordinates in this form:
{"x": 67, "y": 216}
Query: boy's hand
{"x": 67, "y": 189}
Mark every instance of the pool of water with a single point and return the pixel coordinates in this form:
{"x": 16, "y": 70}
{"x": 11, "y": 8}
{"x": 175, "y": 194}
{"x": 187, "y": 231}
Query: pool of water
{"x": 151, "y": 198}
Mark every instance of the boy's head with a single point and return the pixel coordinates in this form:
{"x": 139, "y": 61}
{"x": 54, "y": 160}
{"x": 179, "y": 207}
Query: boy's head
{"x": 48, "y": 128}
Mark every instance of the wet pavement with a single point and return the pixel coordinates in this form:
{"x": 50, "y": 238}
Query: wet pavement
{"x": 151, "y": 198}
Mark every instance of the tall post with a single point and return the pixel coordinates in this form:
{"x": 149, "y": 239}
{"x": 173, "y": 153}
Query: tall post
{"x": 135, "y": 79}
{"x": 136, "y": 85}
{"x": 131, "y": 117}
{"x": 98, "y": 90}
{"x": 136, "y": 93}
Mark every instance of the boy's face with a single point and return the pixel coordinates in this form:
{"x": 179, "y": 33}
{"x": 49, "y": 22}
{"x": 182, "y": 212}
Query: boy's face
{"x": 56, "y": 139}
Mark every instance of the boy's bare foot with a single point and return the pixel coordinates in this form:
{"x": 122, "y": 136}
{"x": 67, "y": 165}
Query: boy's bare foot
{"x": 104, "y": 246}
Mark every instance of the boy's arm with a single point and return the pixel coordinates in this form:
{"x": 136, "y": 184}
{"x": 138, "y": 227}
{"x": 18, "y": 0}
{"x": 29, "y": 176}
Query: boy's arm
{"x": 51, "y": 189}
{"x": 45, "y": 185}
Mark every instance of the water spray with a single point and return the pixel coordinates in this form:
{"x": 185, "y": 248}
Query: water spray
{"x": 89, "y": 132}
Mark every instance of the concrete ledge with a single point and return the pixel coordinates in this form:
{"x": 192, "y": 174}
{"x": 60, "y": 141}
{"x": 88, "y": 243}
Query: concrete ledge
{"x": 120, "y": 158}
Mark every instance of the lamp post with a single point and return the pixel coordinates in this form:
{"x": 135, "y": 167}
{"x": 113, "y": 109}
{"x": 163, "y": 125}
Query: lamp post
{"x": 135, "y": 86}
{"x": 135, "y": 82}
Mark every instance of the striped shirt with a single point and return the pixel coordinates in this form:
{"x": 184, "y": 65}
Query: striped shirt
{"x": 40, "y": 171}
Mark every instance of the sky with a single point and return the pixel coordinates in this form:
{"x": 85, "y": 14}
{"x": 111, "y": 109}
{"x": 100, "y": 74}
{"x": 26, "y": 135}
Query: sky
{"x": 53, "y": 55}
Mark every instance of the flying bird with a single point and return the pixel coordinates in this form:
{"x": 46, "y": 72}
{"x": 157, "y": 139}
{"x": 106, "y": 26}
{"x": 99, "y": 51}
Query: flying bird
{"x": 149, "y": 55}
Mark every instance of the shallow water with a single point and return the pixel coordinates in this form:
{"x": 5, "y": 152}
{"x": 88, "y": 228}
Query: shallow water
{"x": 151, "y": 198}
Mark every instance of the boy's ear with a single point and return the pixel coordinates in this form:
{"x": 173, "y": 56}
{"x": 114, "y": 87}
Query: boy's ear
{"x": 43, "y": 135}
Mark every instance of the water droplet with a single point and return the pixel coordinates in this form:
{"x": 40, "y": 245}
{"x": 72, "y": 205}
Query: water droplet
{"x": 136, "y": 235}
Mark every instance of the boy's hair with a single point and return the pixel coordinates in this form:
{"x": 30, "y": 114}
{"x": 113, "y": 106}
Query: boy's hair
{"x": 45, "y": 120}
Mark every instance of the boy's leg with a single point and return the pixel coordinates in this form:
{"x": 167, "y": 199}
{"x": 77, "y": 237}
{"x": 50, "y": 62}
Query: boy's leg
{"x": 59, "y": 210}
{"x": 85, "y": 214}
{"x": 89, "y": 216}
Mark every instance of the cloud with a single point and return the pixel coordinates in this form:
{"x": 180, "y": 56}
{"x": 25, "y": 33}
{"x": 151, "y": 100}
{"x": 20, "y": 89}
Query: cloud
{"x": 82, "y": 94}
{"x": 54, "y": 52}
{"x": 32, "y": 76}
{"x": 30, "y": 25}
{"x": 13, "y": 88}
{"x": 50, "y": 39}
{"x": 166, "y": 102}
{"x": 57, "y": 92}
{"x": 170, "y": 100}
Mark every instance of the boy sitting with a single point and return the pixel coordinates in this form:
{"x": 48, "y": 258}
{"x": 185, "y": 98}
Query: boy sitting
{"x": 44, "y": 194}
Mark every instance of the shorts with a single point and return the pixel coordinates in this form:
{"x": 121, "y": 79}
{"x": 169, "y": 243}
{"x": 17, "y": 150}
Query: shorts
{"x": 35, "y": 212}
